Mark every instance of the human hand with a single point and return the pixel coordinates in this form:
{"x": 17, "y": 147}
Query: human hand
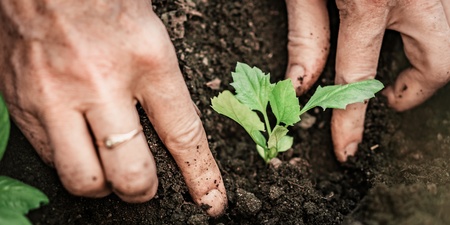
{"x": 424, "y": 27}
{"x": 72, "y": 73}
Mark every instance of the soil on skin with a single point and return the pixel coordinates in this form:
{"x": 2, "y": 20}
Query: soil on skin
{"x": 399, "y": 176}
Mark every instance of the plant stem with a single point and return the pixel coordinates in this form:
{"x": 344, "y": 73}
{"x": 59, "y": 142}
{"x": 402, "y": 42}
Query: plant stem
{"x": 269, "y": 128}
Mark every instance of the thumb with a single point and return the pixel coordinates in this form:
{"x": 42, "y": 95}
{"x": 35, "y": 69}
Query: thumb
{"x": 308, "y": 42}
{"x": 426, "y": 41}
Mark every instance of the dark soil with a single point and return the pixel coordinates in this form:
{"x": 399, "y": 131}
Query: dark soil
{"x": 404, "y": 180}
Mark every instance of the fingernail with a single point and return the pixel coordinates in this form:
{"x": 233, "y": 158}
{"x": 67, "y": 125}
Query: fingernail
{"x": 295, "y": 70}
{"x": 296, "y": 73}
{"x": 214, "y": 202}
{"x": 350, "y": 150}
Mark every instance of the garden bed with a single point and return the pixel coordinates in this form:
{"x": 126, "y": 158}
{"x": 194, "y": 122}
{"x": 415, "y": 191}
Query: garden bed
{"x": 400, "y": 175}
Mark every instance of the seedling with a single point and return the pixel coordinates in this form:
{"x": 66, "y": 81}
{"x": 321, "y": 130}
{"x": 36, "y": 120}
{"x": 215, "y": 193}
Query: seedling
{"x": 254, "y": 93}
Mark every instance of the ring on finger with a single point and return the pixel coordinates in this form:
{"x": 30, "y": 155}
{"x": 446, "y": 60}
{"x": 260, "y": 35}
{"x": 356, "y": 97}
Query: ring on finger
{"x": 114, "y": 140}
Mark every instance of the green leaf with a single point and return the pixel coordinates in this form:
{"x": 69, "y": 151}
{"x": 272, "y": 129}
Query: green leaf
{"x": 252, "y": 87}
{"x": 285, "y": 143}
{"x": 9, "y": 216}
{"x": 4, "y": 126}
{"x": 19, "y": 196}
{"x": 271, "y": 153}
{"x": 227, "y": 105}
{"x": 339, "y": 96}
{"x": 277, "y": 133}
{"x": 262, "y": 152}
{"x": 258, "y": 138}
{"x": 284, "y": 103}
{"x": 279, "y": 140}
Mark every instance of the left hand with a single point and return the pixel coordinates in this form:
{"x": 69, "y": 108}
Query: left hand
{"x": 71, "y": 73}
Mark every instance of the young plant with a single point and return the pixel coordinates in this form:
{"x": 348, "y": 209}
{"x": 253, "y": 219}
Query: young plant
{"x": 254, "y": 93}
{"x": 16, "y": 198}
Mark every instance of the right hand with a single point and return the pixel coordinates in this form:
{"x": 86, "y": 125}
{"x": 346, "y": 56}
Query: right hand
{"x": 424, "y": 27}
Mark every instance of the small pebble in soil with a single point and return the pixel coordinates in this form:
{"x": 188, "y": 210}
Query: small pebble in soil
{"x": 275, "y": 162}
{"x": 439, "y": 137}
{"x": 247, "y": 203}
{"x": 214, "y": 84}
{"x": 307, "y": 121}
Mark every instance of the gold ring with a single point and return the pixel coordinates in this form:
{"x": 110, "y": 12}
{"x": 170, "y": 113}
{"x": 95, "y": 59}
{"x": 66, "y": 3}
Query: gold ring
{"x": 114, "y": 140}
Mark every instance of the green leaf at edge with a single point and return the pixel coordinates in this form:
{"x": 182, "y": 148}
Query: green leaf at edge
{"x": 9, "y": 216}
{"x": 4, "y": 126}
{"x": 252, "y": 87}
{"x": 227, "y": 104}
{"x": 339, "y": 96}
{"x": 284, "y": 103}
{"x": 19, "y": 196}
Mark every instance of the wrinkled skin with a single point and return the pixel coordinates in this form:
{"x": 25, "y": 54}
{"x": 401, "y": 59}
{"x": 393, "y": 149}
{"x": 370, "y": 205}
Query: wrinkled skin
{"x": 70, "y": 69}
{"x": 425, "y": 31}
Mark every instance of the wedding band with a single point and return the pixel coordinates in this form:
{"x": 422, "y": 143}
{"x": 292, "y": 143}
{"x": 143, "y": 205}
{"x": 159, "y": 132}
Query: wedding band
{"x": 114, "y": 140}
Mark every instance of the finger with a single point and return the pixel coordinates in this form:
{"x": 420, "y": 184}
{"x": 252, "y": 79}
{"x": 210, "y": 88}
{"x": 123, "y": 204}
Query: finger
{"x": 359, "y": 41}
{"x": 165, "y": 98}
{"x": 426, "y": 42}
{"x": 347, "y": 128}
{"x": 171, "y": 112}
{"x": 74, "y": 155}
{"x": 129, "y": 168}
{"x": 308, "y": 42}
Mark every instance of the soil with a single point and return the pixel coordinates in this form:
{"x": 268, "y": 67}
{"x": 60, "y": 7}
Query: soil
{"x": 401, "y": 174}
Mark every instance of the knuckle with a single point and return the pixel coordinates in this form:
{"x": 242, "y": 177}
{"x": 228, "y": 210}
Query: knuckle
{"x": 362, "y": 8}
{"x": 135, "y": 180}
{"x": 353, "y": 4}
{"x": 86, "y": 186}
{"x": 345, "y": 5}
{"x": 185, "y": 136}
{"x": 159, "y": 50}
{"x": 436, "y": 75}
{"x": 441, "y": 78}
{"x": 298, "y": 40}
